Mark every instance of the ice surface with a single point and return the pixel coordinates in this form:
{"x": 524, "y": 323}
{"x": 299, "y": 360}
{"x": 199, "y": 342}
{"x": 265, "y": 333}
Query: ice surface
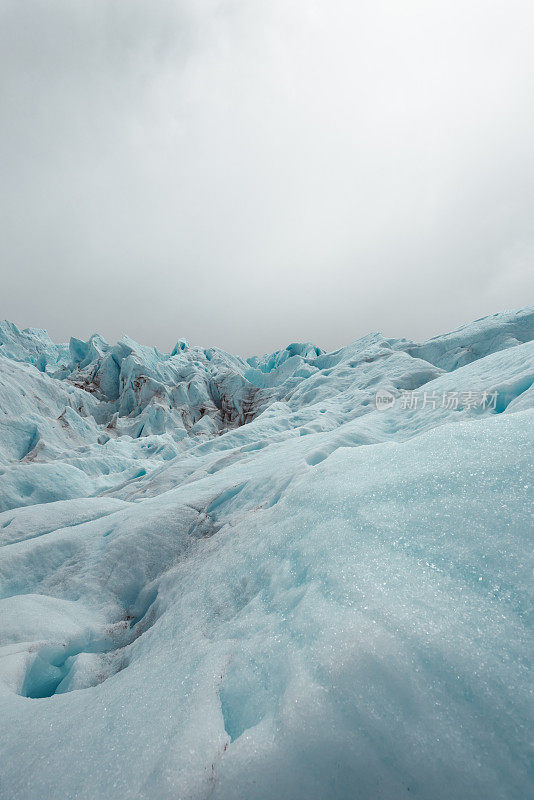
{"x": 228, "y": 578}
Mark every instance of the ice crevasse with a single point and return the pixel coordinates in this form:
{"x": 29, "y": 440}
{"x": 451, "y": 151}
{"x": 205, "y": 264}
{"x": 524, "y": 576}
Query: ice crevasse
{"x": 246, "y": 578}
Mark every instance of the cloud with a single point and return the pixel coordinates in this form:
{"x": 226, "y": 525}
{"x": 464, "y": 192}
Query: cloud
{"x": 248, "y": 173}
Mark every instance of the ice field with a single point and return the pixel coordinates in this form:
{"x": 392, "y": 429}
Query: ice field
{"x": 301, "y": 576}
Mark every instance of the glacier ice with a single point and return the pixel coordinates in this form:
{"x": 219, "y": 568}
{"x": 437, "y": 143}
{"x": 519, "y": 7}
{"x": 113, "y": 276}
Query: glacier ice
{"x": 240, "y": 578}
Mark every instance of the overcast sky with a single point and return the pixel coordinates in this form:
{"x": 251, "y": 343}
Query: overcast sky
{"x": 247, "y": 173}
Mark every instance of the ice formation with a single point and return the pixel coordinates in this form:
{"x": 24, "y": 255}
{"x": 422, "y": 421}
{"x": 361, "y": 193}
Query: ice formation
{"x": 303, "y": 576}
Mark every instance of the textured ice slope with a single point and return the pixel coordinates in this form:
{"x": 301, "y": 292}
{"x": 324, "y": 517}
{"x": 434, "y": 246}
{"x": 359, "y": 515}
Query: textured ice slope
{"x": 228, "y": 578}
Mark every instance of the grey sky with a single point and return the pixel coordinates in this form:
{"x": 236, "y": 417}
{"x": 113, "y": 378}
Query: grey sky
{"x": 247, "y": 173}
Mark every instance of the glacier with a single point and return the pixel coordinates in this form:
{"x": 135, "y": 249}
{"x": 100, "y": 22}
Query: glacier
{"x": 306, "y": 575}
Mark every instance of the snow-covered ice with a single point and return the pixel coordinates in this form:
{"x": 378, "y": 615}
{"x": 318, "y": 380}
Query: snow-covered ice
{"x": 240, "y": 579}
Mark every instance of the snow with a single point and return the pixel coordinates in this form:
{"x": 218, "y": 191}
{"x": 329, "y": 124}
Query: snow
{"x": 228, "y": 578}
